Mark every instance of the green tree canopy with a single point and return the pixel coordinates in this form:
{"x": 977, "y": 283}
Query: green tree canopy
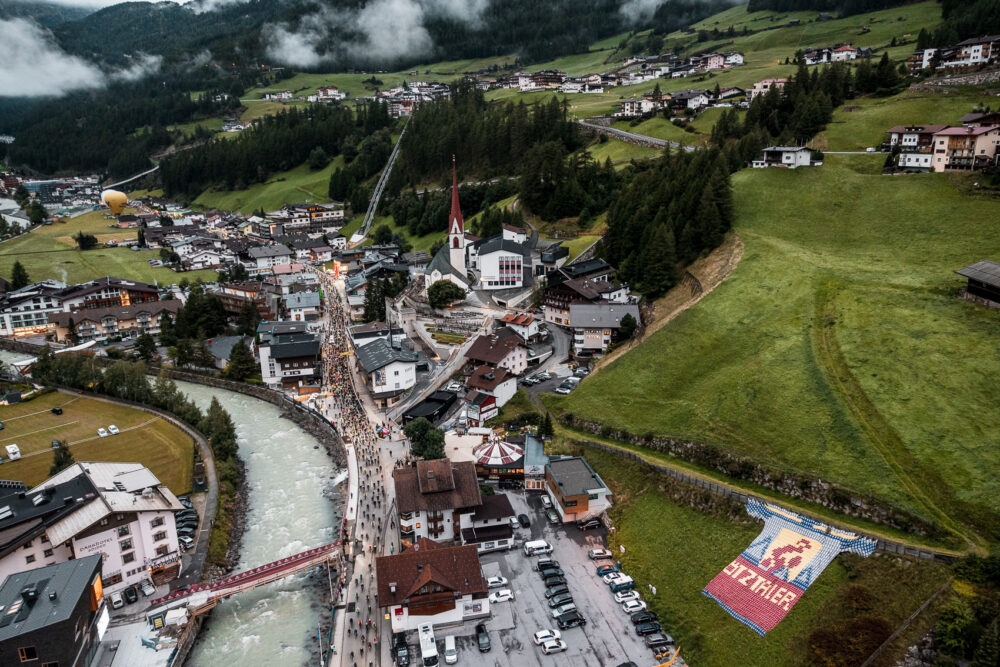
{"x": 19, "y": 276}
{"x": 443, "y": 293}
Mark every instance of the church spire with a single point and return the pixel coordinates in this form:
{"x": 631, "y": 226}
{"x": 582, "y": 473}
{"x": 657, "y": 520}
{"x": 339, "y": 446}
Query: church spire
{"x": 456, "y": 225}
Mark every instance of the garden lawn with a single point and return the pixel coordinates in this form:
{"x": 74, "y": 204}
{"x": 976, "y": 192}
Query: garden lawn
{"x": 679, "y": 549}
{"x": 837, "y": 253}
{"x": 298, "y": 185}
{"x": 145, "y": 438}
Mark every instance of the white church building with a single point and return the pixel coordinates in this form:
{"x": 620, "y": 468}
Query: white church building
{"x": 449, "y": 262}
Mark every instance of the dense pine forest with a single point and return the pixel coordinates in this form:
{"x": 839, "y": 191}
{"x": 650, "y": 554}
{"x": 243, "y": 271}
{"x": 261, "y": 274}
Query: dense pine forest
{"x": 672, "y": 210}
{"x": 838, "y": 7}
{"x": 277, "y": 143}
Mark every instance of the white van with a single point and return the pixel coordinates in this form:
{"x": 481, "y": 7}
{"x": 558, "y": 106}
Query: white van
{"x": 428, "y": 646}
{"x": 13, "y": 452}
{"x": 537, "y": 547}
{"x": 450, "y": 652}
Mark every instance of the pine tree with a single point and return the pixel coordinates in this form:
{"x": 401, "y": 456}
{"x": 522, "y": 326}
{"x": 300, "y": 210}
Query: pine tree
{"x": 62, "y": 458}
{"x": 19, "y": 276}
{"x": 145, "y": 347}
{"x": 241, "y": 363}
{"x": 988, "y": 651}
{"x": 659, "y": 258}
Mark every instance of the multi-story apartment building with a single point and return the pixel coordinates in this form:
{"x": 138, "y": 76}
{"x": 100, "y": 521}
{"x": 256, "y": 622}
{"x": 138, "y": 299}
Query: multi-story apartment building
{"x": 118, "y": 511}
{"x": 965, "y": 148}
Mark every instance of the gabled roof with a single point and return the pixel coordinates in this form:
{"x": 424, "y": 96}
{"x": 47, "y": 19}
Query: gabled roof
{"x": 462, "y": 492}
{"x": 601, "y": 315}
{"x": 302, "y": 300}
{"x": 492, "y": 349}
{"x": 294, "y": 345}
{"x": 455, "y": 569}
{"x": 120, "y": 313}
{"x": 520, "y": 319}
{"x": 270, "y": 251}
{"x": 379, "y": 354}
{"x": 487, "y": 378}
{"x": 442, "y": 263}
{"x": 966, "y": 131}
{"x": 915, "y": 129}
{"x": 498, "y": 243}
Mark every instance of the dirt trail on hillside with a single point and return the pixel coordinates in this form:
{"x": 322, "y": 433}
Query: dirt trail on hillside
{"x": 708, "y": 273}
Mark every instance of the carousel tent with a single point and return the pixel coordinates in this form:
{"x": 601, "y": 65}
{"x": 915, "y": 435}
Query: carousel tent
{"x": 498, "y": 454}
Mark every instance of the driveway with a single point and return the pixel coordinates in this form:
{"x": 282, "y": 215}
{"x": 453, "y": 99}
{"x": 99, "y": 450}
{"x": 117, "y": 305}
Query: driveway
{"x": 608, "y": 638}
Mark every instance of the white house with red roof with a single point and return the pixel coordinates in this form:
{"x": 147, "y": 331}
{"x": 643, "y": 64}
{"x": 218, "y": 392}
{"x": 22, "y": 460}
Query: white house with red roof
{"x": 525, "y": 326}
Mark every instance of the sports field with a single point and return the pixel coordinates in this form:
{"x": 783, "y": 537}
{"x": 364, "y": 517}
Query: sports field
{"x": 145, "y": 438}
{"x": 838, "y": 346}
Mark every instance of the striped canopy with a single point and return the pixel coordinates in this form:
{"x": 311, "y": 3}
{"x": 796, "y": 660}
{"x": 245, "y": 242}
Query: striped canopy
{"x": 498, "y": 454}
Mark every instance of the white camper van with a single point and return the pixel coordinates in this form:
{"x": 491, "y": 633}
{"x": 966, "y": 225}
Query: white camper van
{"x": 13, "y": 452}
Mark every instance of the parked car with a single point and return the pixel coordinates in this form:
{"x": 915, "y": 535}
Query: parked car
{"x": 185, "y": 541}
{"x": 454, "y": 386}
{"x": 496, "y": 582}
{"x": 187, "y": 514}
{"x": 524, "y": 520}
{"x": 188, "y": 531}
{"x": 483, "y": 638}
{"x": 642, "y": 617}
{"x": 552, "y": 515}
{"x": 612, "y": 577}
{"x": 633, "y": 606}
{"x": 598, "y": 554}
{"x": 588, "y": 524}
{"x": 116, "y": 601}
{"x": 147, "y": 589}
{"x": 563, "y": 389}
{"x": 101, "y": 432}
{"x": 606, "y": 569}
{"x": 130, "y": 595}
{"x": 401, "y": 652}
{"x": 659, "y": 639}
{"x": 113, "y": 430}
{"x": 647, "y": 628}
{"x": 563, "y": 609}
{"x": 554, "y": 591}
{"x": 551, "y": 572}
{"x": 543, "y": 636}
{"x": 553, "y": 581}
{"x": 502, "y": 595}
{"x": 56, "y": 410}
{"x": 560, "y": 600}
{"x": 186, "y": 501}
{"x": 513, "y": 522}
{"x": 626, "y": 596}
{"x": 554, "y": 646}
{"x": 573, "y": 619}
{"x": 546, "y": 501}
{"x": 544, "y": 563}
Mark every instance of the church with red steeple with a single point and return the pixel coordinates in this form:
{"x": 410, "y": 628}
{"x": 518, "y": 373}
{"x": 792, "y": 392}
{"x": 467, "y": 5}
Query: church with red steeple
{"x": 449, "y": 262}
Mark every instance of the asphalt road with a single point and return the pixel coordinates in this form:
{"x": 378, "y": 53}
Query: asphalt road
{"x": 608, "y": 637}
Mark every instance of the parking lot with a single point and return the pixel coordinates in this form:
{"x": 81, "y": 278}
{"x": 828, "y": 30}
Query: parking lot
{"x": 606, "y": 640}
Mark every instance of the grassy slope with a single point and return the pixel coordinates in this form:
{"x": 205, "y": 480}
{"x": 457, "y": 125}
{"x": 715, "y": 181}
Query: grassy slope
{"x": 661, "y": 537}
{"x": 162, "y": 447}
{"x": 49, "y": 252}
{"x": 741, "y": 368}
{"x": 856, "y": 130}
{"x": 300, "y": 184}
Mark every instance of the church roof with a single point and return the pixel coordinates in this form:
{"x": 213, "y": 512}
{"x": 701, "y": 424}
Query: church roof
{"x": 442, "y": 263}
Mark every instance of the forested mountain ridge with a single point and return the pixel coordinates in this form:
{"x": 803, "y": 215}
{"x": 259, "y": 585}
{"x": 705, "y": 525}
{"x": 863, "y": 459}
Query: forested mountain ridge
{"x": 45, "y": 14}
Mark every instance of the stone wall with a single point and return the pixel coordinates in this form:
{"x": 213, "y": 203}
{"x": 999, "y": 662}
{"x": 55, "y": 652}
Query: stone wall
{"x": 720, "y": 500}
{"x": 793, "y": 485}
{"x": 311, "y": 421}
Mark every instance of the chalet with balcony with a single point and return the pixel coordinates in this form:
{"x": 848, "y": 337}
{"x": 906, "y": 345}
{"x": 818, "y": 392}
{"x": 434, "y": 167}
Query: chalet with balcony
{"x": 432, "y": 496}
{"x": 431, "y": 583}
{"x": 503, "y": 349}
{"x": 965, "y": 148}
{"x": 114, "y": 323}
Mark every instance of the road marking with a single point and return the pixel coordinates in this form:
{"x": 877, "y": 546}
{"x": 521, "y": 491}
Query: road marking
{"x": 32, "y": 414}
{"x": 95, "y": 437}
{"x": 47, "y": 428}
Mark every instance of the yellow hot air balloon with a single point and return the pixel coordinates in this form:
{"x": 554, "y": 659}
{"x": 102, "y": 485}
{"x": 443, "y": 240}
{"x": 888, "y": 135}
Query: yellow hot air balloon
{"x": 114, "y": 200}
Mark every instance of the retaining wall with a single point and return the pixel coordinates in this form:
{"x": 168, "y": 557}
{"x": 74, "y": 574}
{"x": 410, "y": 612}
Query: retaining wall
{"x": 889, "y": 546}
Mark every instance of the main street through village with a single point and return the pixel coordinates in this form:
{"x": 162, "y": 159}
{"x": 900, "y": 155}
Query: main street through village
{"x": 361, "y": 637}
